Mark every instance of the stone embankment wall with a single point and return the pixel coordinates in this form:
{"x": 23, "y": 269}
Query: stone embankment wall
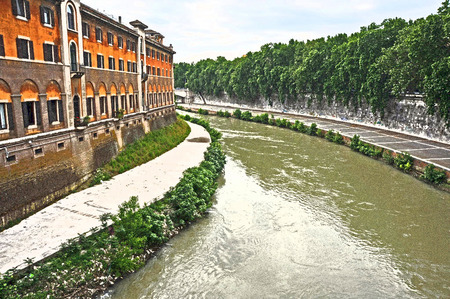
{"x": 48, "y": 166}
{"x": 408, "y": 115}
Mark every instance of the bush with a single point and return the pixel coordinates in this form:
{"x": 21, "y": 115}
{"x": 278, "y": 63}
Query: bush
{"x": 329, "y": 135}
{"x": 202, "y": 111}
{"x": 227, "y": 114}
{"x": 237, "y": 113}
{"x": 338, "y": 138}
{"x": 354, "y": 143}
{"x": 247, "y": 115}
{"x": 387, "y": 156}
{"x": 404, "y": 161}
{"x": 265, "y": 118}
{"x": 312, "y": 130}
{"x": 434, "y": 175}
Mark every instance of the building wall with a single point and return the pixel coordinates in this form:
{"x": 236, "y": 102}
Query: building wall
{"x": 46, "y": 148}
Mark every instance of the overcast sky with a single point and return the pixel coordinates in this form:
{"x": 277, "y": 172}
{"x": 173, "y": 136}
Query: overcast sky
{"x": 200, "y": 29}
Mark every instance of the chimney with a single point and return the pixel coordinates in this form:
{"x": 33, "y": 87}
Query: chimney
{"x": 120, "y": 19}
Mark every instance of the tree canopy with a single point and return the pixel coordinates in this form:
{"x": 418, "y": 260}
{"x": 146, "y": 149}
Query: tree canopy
{"x": 379, "y": 63}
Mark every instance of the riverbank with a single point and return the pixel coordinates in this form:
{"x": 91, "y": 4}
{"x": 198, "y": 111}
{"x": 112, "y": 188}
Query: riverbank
{"x": 42, "y": 234}
{"x": 424, "y": 159}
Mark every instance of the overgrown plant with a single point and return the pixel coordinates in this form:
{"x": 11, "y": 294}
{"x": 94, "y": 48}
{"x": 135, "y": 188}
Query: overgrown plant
{"x": 404, "y": 161}
{"x": 433, "y": 175}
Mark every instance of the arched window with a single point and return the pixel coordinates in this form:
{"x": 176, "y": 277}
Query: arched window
{"x": 70, "y": 17}
{"x": 73, "y": 57}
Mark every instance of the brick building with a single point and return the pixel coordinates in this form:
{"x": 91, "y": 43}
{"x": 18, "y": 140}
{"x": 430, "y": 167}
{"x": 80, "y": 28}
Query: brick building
{"x": 75, "y": 86}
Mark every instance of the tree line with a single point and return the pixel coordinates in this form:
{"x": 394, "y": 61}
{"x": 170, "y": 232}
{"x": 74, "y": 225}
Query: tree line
{"x": 379, "y": 63}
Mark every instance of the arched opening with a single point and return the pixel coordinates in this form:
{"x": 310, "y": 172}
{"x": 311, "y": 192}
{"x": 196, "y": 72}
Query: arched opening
{"x": 131, "y": 97}
{"x": 103, "y": 104}
{"x": 70, "y": 17}
{"x": 73, "y": 57}
{"x": 90, "y": 101}
{"x": 31, "y": 109}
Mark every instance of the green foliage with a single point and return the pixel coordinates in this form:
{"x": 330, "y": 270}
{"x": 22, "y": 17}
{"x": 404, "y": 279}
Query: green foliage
{"x": 237, "y": 113}
{"x": 338, "y": 138}
{"x": 247, "y": 115}
{"x": 388, "y": 157}
{"x": 367, "y": 149}
{"x": 433, "y": 175}
{"x": 377, "y": 64}
{"x": 149, "y": 147}
{"x": 329, "y": 135}
{"x": 312, "y": 130}
{"x": 85, "y": 266}
{"x": 202, "y": 111}
{"x": 354, "y": 143}
{"x": 404, "y": 161}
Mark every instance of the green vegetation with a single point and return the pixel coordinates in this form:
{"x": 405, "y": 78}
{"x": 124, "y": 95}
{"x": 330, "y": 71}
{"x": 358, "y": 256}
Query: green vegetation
{"x": 87, "y": 265}
{"x": 367, "y": 149}
{"x": 376, "y": 65}
{"x": 433, "y": 175}
{"x": 404, "y": 161}
{"x": 202, "y": 111}
{"x": 151, "y": 146}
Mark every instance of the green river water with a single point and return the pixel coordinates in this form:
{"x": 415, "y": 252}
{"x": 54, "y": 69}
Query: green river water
{"x": 300, "y": 217}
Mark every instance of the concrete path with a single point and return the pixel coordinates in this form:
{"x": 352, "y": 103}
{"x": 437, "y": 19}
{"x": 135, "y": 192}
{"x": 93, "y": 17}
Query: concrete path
{"x": 429, "y": 151}
{"x": 42, "y": 234}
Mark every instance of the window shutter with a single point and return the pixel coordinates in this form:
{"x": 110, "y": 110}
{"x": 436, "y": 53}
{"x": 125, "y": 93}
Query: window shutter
{"x": 31, "y": 50}
{"x": 26, "y": 121}
{"x": 42, "y": 14}
{"x": 52, "y": 18}
{"x": 14, "y": 7}
{"x": 47, "y": 52}
{"x": 10, "y": 116}
{"x": 27, "y": 9}
{"x": 2, "y": 46}
{"x": 20, "y": 48}
{"x": 56, "y": 53}
{"x": 61, "y": 110}
{"x": 38, "y": 113}
{"x": 50, "y": 113}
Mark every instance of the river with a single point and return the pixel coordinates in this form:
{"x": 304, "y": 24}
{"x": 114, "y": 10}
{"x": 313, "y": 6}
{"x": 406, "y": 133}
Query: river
{"x": 300, "y": 217}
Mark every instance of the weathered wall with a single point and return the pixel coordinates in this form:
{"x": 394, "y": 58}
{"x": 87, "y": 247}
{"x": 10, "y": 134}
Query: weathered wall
{"x": 408, "y": 116}
{"x": 48, "y": 166}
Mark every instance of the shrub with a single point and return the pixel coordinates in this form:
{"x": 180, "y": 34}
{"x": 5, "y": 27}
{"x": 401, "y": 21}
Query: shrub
{"x": 265, "y": 118}
{"x": 329, "y": 135}
{"x": 202, "y": 111}
{"x": 404, "y": 161}
{"x": 312, "y": 130}
{"x": 434, "y": 175}
{"x": 338, "y": 138}
{"x": 387, "y": 156}
{"x": 247, "y": 115}
{"x": 237, "y": 113}
{"x": 227, "y": 114}
{"x": 354, "y": 143}
{"x": 220, "y": 113}
{"x": 301, "y": 127}
{"x": 320, "y": 133}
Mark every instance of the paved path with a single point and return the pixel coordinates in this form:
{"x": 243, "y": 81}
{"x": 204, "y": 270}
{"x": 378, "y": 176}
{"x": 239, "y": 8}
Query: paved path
{"x": 42, "y": 234}
{"x": 429, "y": 151}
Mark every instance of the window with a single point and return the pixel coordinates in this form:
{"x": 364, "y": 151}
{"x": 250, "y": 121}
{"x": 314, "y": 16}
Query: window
{"x": 123, "y": 102}
{"x": 110, "y": 39}
{"x": 133, "y": 46}
{"x": 165, "y": 58}
{"x": 131, "y": 97}
{"x": 134, "y": 67}
{"x": 153, "y": 54}
{"x": 47, "y": 16}
{"x": 90, "y": 105}
{"x": 86, "y": 30}
{"x": 103, "y": 106}
{"x": 114, "y": 104}
{"x": 100, "y": 61}
{"x": 73, "y": 58}
{"x": 120, "y": 42}
{"x": 2, "y": 46}
{"x": 157, "y": 55}
{"x": 141, "y": 46}
{"x": 6, "y": 116}
{"x": 70, "y": 17}
{"x": 170, "y": 59}
{"x": 147, "y": 51}
{"x": 55, "y": 111}
{"x": 148, "y": 69}
{"x": 51, "y": 53}
{"x": 129, "y": 66}
{"x": 31, "y": 113}
{"x": 21, "y": 8}
{"x": 154, "y": 71}
{"x": 25, "y": 49}
{"x": 159, "y": 72}
{"x": 111, "y": 63}
{"x": 142, "y": 66}
{"x": 128, "y": 45}
{"x": 87, "y": 59}
{"x": 99, "y": 34}
{"x": 121, "y": 65}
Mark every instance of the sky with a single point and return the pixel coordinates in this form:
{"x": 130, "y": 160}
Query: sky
{"x": 200, "y": 29}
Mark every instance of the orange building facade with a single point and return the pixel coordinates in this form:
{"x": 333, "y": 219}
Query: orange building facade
{"x": 75, "y": 87}
{"x": 63, "y": 63}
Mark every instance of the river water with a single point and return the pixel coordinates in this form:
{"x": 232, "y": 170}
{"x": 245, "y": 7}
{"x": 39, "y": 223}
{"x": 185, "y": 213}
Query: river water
{"x": 300, "y": 217}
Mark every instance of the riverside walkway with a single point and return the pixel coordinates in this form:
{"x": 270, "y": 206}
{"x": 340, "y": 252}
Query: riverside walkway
{"x": 42, "y": 234}
{"x": 426, "y": 150}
